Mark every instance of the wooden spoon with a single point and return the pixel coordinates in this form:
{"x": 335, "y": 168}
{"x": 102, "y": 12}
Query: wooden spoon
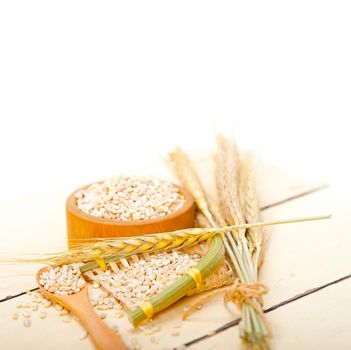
{"x": 103, "y": 337}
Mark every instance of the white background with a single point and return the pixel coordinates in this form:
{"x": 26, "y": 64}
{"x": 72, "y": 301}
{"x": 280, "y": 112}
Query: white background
{"x": 91, "y": 88}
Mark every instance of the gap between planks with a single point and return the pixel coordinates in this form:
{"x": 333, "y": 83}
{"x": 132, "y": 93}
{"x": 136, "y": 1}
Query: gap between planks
{"x": 296, "y": 196}
{"x": 275, "y": 204}
{"x": 272, "y": 308}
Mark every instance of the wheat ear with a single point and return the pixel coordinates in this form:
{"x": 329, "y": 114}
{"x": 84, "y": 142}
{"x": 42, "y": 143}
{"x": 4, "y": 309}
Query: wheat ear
{"x": 122, "y": 247}
{"x": 227, "y": 179}
{"x": 251, "y": 209}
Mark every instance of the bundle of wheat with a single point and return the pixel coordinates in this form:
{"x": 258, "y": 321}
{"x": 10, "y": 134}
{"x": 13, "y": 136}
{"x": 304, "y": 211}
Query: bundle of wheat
{"x": 239, "y": 205}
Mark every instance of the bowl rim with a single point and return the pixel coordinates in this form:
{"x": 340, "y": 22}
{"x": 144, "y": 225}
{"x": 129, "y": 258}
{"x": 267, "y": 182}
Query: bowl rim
{"x": 73, "y": 208}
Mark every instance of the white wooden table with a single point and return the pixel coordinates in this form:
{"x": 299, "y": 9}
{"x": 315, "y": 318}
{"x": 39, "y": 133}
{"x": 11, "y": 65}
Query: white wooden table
{"x": 307, "y": 267}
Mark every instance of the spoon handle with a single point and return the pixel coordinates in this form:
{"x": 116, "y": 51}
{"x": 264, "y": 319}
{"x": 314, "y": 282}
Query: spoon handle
{"x": 103, "y": 337}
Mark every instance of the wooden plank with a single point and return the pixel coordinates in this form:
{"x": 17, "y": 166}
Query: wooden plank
{"x": 318, "y": 321}
{"x": 302, "y": 256}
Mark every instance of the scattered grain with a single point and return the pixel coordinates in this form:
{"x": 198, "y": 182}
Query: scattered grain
{"x": 135, "y": 345}
{"x": 83, "y": 335}
{"x": 66, "y": 319}
{"x": 42, "y": 314}
{"x": 58, "y": 307}
{"x": 47, "y": 303}
{"x": 155, "y": 340}
{"x": 102, "y": 315}
{"x": 27, "y": 322}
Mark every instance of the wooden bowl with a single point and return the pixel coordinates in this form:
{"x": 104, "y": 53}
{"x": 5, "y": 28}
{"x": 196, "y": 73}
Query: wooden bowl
{"x": 82, "y": 226}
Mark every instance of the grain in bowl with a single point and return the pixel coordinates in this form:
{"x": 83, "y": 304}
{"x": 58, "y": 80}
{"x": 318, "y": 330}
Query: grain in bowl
{"x": 130, "y": 198}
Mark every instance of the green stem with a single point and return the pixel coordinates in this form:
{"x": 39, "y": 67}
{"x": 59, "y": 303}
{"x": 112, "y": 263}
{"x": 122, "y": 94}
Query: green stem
{"x": 207, "y": 265}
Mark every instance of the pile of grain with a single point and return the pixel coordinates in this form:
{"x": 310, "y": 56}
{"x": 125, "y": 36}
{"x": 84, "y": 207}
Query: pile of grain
{"x": 130, "y": 198}
{"x": 62, "y": 280}
{"x": 143, "y": 279}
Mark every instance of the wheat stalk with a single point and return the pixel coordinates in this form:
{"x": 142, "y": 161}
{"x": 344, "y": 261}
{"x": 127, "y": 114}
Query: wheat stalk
{"x": 251, "y": 209}
{"x": 253, "y": 328}
{"x": 240, "y": 262}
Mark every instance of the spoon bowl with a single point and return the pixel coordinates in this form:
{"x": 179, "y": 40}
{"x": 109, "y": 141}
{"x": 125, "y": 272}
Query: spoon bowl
{"x": 103, "y": 337}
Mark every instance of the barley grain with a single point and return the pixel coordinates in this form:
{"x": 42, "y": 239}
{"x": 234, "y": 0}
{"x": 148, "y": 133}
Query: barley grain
{"x": 142, "y": 279}
{"x": 27, "y": 322}
{"x": 115, "y": 328}
{"x": 42, "y": 314}
{"x": 66, "y": 319}
{"x": 102, "y": 315}
{"x": 83, "y": 335}
{"x": 62, "y": 280}
{"x": 58, "y": 307}
{"x": 130, "y": 199}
